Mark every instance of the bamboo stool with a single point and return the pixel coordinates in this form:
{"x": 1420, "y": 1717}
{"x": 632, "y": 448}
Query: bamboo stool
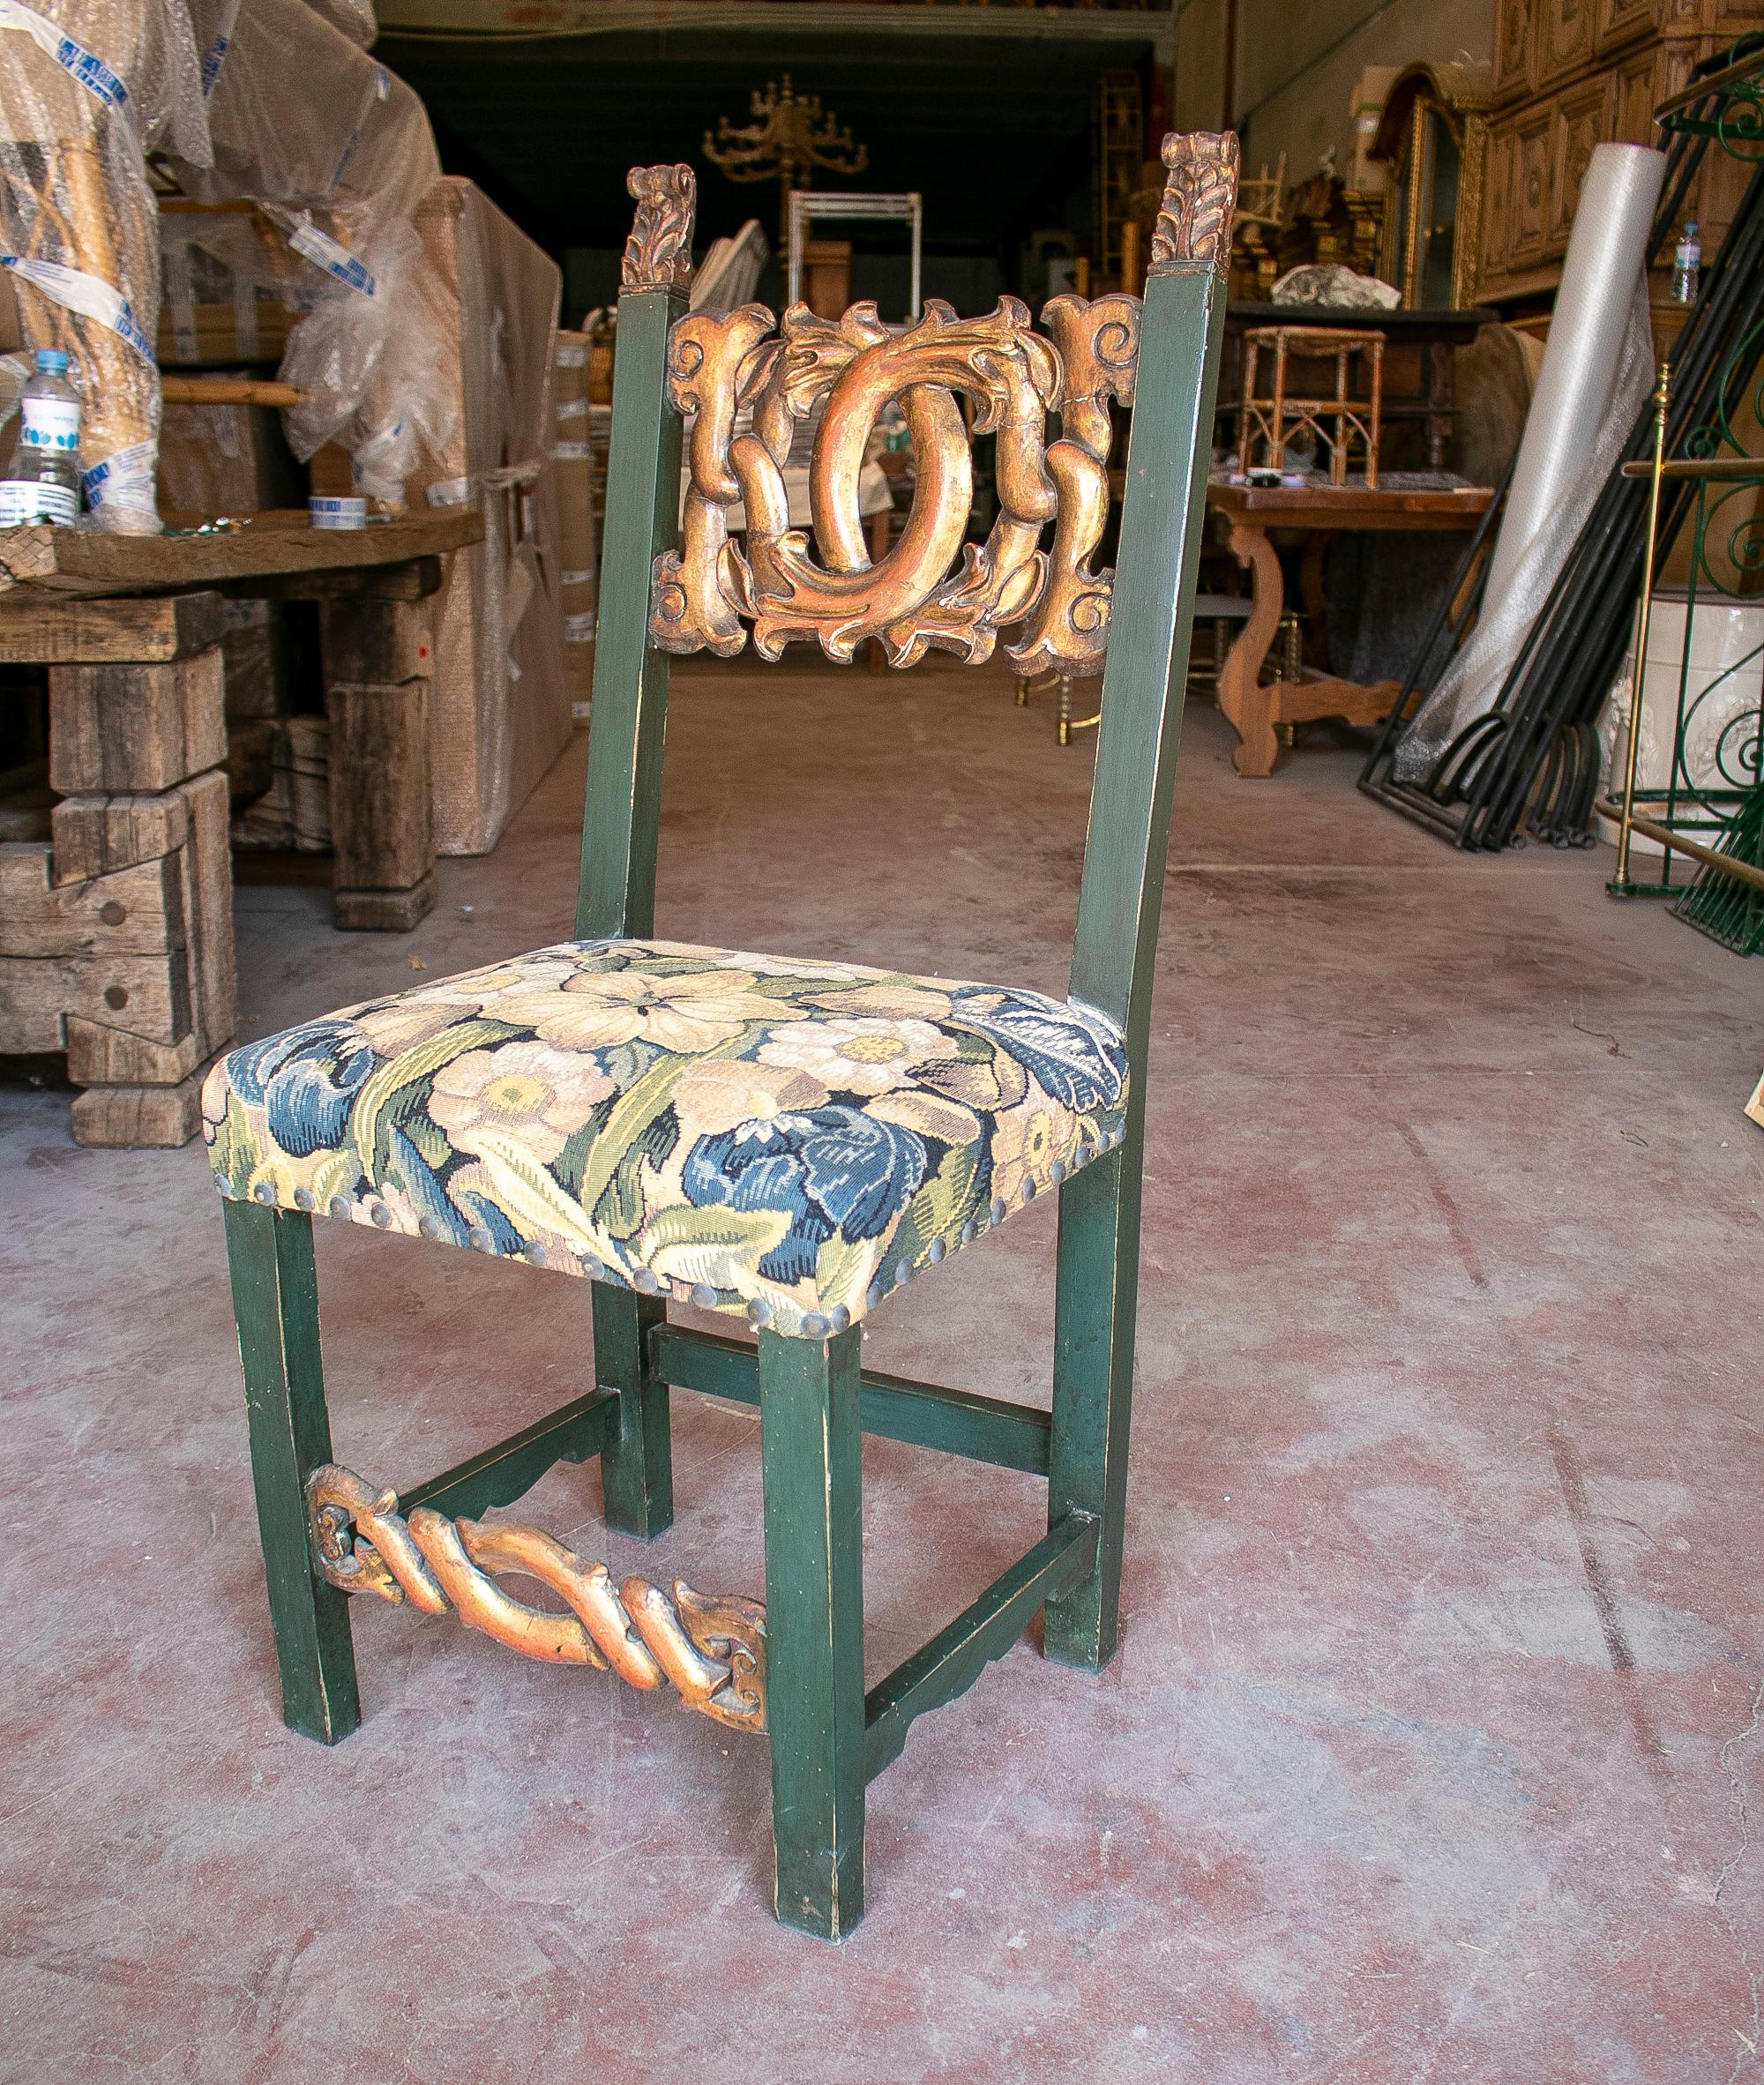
{"x": 1279, "y": 416}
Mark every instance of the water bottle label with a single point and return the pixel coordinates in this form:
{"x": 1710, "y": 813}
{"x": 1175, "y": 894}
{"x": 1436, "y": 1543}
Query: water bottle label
{"x": 50, "y": 423}
{"x": 42, "y": 500}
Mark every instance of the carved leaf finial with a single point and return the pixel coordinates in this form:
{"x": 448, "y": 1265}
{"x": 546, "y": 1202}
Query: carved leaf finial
{"x": 658, "y": 255}
{"x": 1199, "y": 196}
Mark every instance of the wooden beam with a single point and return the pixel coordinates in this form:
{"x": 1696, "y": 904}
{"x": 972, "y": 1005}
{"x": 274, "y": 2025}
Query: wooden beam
{"x": 925, "y": 1415}
{"x": 500, "y": 1475}
{"x": 135, "y": 911}
{"x": 788, "y": 20}
{"x": 281, "y": 542}
{"x": 136, "y": 730}
{"x": 179, "y": 390}
{"x": 954, "y": 1658}
{"x": 39, "y": 630}
{"x": 414, "y": 580}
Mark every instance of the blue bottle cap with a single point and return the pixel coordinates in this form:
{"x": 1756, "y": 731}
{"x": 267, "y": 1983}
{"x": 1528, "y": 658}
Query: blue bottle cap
{"x": 53, "y": 360}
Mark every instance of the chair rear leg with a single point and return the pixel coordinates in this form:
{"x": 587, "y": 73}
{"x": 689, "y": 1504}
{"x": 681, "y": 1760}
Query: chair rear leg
{"x": 810, "y": 1446}
{"x": 1094, "y": 1306}
{"x": 637, "y": 1469}
{"x": 275, "y": 1300}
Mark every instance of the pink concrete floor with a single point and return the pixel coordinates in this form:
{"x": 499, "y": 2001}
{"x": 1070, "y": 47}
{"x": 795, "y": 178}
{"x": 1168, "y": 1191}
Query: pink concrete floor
{"x": 1433, "y": 1748}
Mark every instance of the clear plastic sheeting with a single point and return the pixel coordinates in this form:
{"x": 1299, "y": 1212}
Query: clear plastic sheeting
{"x": 499, "y": 705}
{"x": 1338, "y": 288}
{"x": 87, "y": 87}
{"x": 339, "y": 154}
{"x": 354, "y": 18}
{"x": 276, "y": 100}
{"x": 228, "y": 284}
{"x": 1597, "y": 367}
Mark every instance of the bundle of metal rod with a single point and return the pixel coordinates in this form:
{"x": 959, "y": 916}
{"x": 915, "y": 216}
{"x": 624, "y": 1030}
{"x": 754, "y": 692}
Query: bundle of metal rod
{"x": 1531, "y": 763}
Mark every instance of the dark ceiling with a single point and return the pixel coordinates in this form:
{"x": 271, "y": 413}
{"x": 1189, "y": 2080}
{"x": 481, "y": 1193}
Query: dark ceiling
{"x": 995, "y": 131}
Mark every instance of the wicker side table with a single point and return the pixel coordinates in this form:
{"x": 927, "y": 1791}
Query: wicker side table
{"x": 1277, "y": 415}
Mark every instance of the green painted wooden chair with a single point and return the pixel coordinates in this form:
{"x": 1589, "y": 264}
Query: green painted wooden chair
{"x": 783, "y": 1141}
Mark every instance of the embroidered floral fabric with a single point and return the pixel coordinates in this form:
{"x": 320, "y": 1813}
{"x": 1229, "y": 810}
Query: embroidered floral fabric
{"x": 745, "y": 1132}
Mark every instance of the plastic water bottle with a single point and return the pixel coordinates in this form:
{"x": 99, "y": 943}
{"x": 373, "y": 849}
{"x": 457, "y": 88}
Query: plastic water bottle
{"x": 1687, "y": 265}
{"x": 43, "y": 481}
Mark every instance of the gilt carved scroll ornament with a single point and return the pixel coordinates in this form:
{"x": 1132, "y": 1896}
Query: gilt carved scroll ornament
{"x": 744, "y": 381}
{"x": 746, "y": 385}
{"x": 713, "y": 1650}
{"x": 658, "y": 255}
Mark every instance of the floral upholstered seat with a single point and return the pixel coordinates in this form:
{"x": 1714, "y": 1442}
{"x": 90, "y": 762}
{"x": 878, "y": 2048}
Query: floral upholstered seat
{"x": 788, "y": 1140}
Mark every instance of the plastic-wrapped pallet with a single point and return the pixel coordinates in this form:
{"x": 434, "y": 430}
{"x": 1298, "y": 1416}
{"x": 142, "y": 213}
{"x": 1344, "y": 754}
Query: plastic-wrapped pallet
{"x": 337, "y": 153}
{"x": 572, "y": 470}
{"x": 500, "y": 707}
{"x": 87, "y": 87}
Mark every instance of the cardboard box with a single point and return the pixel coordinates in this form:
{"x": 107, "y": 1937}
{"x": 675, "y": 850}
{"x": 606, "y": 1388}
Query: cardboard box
{"x": 226, "y": 460}
{"x": 499, "y": 703}
{"x": 221, "y": 267}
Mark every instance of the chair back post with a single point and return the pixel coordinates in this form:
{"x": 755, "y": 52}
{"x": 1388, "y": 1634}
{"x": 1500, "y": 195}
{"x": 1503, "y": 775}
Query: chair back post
{"x": 1153, "y": 608}
{"x": 622, "y": 814}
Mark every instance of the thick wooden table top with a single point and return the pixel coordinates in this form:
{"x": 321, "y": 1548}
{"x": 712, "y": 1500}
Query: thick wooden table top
{"x": 70, "y": 563}
{"x": 1353, "y": 507}
{"x": 1397, "y": 326}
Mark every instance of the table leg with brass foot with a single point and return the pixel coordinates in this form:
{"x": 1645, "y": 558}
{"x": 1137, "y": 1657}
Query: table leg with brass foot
{"x": 1068, "y": 723}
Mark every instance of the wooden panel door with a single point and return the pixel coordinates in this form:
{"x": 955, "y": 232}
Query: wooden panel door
{"x": 1621, "y": 21}
{"x": 1565, "y": 39}
{"x": 1497, "y": 232}
{"x": 1512, "y": 44}
{"x": 1579, "y": 120}
{"x": 1531, "y": 188}
{"x": 1636, "y": 92}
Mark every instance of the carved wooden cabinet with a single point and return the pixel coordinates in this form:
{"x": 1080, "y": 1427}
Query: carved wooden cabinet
{"x": 1569, "y": 75}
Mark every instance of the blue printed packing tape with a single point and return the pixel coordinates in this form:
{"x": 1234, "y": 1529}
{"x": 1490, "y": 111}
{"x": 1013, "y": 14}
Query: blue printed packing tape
{"x": 323, "y": 512}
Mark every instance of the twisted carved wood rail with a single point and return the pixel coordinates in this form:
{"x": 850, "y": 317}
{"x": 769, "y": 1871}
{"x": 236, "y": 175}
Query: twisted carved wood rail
{"x": 713, "y": 1650}
{"x": 744, "y": 379}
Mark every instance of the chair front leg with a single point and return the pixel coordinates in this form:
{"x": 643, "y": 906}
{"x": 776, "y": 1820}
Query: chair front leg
{"x": 275, "y": 1300}
{"x": 637, "y": 1469}
{"x": 1094, "y": 1306}
{"x": 810, "y": 1446}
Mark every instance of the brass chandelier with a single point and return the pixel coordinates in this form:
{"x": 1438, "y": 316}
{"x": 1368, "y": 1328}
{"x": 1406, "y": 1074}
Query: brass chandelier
{"x": 789, "y": 138}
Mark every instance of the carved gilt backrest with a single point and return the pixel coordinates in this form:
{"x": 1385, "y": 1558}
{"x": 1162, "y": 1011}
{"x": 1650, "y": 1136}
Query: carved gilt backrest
{"x": 679, "y": 578}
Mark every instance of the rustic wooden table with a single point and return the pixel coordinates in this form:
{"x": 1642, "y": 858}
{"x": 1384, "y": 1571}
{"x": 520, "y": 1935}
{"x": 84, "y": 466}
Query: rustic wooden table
{"x": 1250, "y": 514}
{"x": 117, "y": 933}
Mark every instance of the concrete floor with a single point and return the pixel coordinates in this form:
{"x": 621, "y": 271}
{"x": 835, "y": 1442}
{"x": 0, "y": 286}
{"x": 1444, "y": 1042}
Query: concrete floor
{"x": 1433, "y": 1750}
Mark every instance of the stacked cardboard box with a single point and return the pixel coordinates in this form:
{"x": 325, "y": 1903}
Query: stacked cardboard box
{"x": 217, "y": 459}
{"x": 500, "y": 708}
{"x": 221, "y": 265}
{"x": 572, "y": 472}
